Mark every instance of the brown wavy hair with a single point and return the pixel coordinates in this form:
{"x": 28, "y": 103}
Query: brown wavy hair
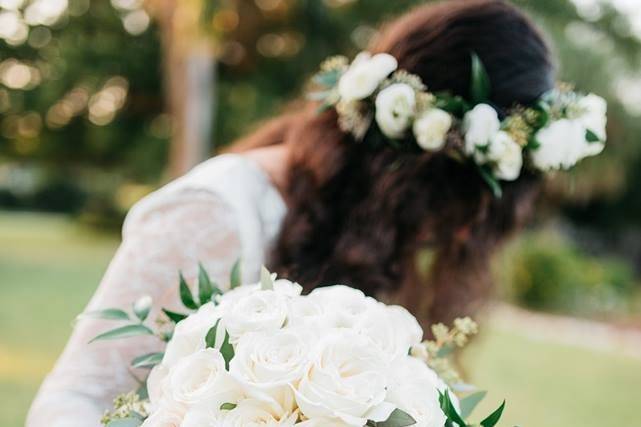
{"x": 362, "y": 216}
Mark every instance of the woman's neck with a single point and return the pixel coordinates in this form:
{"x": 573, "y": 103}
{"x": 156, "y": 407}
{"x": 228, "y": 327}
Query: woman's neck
{"x": 273, "y": 160}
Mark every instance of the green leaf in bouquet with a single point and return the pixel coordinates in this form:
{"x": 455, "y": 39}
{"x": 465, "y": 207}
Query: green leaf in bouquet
{"x": 126, "y": 422}
{"x": 494, "y": 417}
{"x": 449, "y": 409}
{"x": 266, "y": 281}
{"x": 174, "y": 316}
{"x": 108, "y": 314}
{"x": 445, "y": 351}
{"x": 468, "y": 403}
{"x": 147, "y": 360}
{"x": 228, "y": 406}
{"x": 142, "y": 391}
{"x": 480, "y": 87}
{"x": 185, "y": 294}
{"x": 235, "y": 278}
{"x": 226, "y": 349}
{"x": 397, "y": 418}
{"x": 124, "y": 332}
{"x": 206, "y": 288}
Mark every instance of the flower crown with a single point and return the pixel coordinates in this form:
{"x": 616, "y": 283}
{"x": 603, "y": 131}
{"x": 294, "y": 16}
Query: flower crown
{"x": 378, "y": 103}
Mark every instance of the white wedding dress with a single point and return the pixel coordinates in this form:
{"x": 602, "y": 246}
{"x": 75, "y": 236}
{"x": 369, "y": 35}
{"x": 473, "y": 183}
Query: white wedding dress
{"x": 224, "y": 209}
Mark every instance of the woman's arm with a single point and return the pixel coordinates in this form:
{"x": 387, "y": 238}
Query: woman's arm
{"x": 167, "y": 233}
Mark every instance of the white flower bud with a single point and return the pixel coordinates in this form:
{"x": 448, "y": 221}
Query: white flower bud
{"x": 431, "y": 129}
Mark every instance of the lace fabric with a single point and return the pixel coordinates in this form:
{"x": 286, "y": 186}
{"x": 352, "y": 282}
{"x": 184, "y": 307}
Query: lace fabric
{"x": 224, "y": 209}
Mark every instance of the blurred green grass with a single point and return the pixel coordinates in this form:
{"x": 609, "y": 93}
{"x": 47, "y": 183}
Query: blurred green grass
{"x": 49, "y": 267}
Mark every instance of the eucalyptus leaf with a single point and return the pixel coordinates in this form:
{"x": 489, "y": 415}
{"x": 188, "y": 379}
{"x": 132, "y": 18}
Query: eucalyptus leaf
{"x": 397, "y": 418}
{"x": 480, "y": 88}
{"x": 124, "y": 332}
{"x": 327, "y": 78}
{"x": 126, "y": 422}
{"x": 147, "y": 360}
{"x": 494, "y": 417}
{"x": 185, "y": 294}
{"x": 266, "y": 281}
{"x": 174, "y": 316}
{"x": 142, "y": 391}
{"x": 235, "y": 279}
{"x": 108, "y": 314}
{"x": 468, "y": 403}
{"x": 445, "y": 351}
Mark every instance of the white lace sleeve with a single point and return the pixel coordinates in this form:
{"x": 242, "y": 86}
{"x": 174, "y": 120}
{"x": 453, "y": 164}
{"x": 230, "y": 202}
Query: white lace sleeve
{"x": 173, "y": 231}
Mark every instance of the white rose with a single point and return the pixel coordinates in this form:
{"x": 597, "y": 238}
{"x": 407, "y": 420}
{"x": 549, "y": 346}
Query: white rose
{"x": 346, "y": 380}
{"x": 506, "y": 155}
{"x": 395, "y": 108}
{"x": 270, "y": 358}
{"x": 252, "y": 412}
{"x": 202, "y": 377}
{"x": 269, "y": 364}
{"x": 343, "y": 306}
{"x": 322, "y": 422}
{"x": 415, "y": 390}
{"x": 392, "y": 329}
{"x": 165, "y": 417}
{"x": 204, "y": 415}
{"x": 259, "y": 311}
{"x": 480, "y": 125}
{"x": 284, "y": 287}
{"x": 431, "y": 129}
{"x": 156, "y": 384}
{"x": 364, "y": 75}
{"x": 594, "y": 115}
{"x": 561, "y": 145}
{"x": 189, "y": 334}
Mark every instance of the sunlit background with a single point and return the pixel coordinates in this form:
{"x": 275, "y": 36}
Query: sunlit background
{"x": 103, "y": 101}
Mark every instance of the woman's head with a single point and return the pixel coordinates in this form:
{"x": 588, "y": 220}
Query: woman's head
{"x": 435, "y": 42}
{"x": 359, "y": 215}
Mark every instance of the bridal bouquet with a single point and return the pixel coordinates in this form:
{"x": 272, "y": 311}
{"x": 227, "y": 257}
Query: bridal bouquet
{"x": 264, "y": 354}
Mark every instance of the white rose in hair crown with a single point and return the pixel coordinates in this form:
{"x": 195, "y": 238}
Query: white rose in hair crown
{"x": 264, "y": 354}
{"x": 380, "y": 105}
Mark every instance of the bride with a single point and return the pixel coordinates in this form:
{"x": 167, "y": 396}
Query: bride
{"x": 305, "y": 197}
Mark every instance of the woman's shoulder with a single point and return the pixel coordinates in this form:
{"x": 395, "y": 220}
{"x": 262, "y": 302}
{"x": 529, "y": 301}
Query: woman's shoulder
{"x": 231, "y": 183}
